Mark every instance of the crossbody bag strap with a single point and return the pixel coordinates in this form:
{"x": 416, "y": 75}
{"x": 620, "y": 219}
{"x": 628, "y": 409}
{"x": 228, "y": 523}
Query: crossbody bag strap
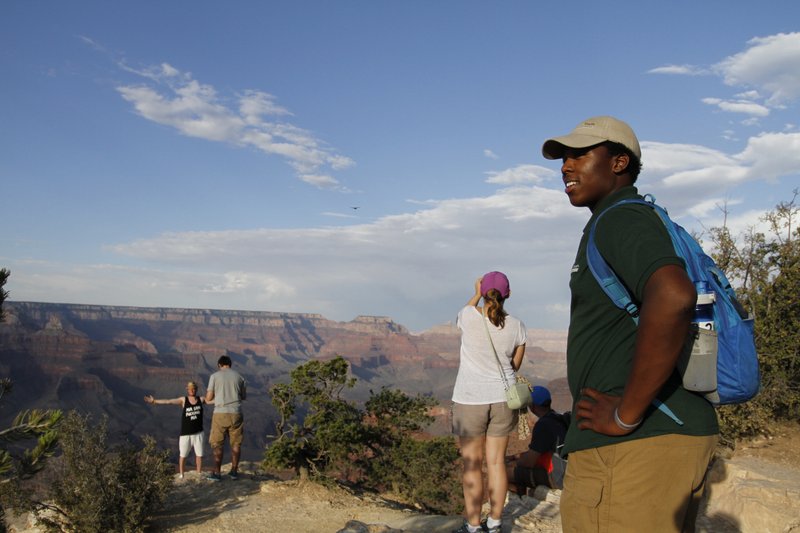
{"x": 499, "y": 366}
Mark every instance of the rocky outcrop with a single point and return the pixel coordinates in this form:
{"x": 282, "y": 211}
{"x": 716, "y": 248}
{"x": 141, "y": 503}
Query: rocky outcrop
{"x": 752, "y": 494}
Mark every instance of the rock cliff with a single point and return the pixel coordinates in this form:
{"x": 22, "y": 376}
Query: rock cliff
{"x": 104, "y": 359}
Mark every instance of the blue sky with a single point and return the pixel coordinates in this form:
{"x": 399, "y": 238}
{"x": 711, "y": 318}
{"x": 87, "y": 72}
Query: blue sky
{"x": 209, "y": 155}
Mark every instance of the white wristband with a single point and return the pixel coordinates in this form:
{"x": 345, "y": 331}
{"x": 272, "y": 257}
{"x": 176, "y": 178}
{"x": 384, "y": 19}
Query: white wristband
{"x": 623, "y": 425}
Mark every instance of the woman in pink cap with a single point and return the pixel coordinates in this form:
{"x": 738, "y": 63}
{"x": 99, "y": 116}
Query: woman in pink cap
{"x": 481, "y": 417}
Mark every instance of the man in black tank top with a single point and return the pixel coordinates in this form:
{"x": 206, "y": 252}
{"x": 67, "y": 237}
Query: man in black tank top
{"x": 192, "y": 436}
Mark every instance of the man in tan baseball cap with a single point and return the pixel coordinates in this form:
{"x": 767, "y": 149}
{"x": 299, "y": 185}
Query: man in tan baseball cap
{"x": 601, "y": 155}
{"x": 631, "y": 467}
{"x": 593, "y": 131}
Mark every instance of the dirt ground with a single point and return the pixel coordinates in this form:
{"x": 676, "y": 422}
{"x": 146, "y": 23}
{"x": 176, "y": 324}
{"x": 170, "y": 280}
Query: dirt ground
{"x": 781, "y": 448}
{"x": 258, "y": 502}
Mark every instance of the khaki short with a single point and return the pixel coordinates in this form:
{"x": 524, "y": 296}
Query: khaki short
{"x": 650, "y": 484}
{"x": 493, "y": 420}
{"x": 231, "y": 424}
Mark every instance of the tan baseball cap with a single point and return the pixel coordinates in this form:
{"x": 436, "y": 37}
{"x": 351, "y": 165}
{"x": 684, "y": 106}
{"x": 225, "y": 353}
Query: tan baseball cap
{"x": 590, "y": 132}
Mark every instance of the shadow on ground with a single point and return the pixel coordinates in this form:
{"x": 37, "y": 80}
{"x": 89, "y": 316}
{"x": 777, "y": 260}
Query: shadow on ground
{"x": 196, "y": 500}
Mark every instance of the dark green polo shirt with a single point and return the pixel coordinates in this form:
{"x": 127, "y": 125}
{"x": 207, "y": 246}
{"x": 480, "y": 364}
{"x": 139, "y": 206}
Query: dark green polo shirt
{"x": 600, "y": 346}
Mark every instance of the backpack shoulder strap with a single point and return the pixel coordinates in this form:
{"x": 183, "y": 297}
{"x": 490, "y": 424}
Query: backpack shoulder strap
{"x": 602, "y": 272}
{"x": 611, "y": 284}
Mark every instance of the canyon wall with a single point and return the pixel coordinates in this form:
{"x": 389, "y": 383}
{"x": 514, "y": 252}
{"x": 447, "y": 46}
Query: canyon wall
{"x": 104, "y": 359}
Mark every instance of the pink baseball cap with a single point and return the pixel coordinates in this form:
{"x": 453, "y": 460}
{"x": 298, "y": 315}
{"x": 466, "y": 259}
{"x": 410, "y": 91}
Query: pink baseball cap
{"x": 495, "y": 280}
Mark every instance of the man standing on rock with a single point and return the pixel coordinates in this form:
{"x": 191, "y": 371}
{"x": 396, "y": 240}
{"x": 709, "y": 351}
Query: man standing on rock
{"x": 631, "y": 466}
{"x": 226, "y": 388}
{"x": 191, "y": 425}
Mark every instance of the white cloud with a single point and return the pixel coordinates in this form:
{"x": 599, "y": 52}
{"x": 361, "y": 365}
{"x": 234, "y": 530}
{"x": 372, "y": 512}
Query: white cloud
{"x": 255, "y": 104}
{"x": 337, "y": 215}
{"x": 692, "y": 179}
{"x": 698, "y": 171}
{"x": 768, "y": 70}
{"x": 738, "y": 106}
{"x": 715, "y": 177}
{"x": 320, "y": 180}
{"x": 520, "y": 174}
{"x": 749, "y": 95}
{"x": 239, "y": 282}
{"x": 391, "y": 266}
{"x": 175, "y": 99}
{"x": 770, "y": 156}
{"x": 663, "y": 159}
{"x": 729, "y": 135}
{"x": 490, "y": 154}
{"x": 684, "y": 70}
{"x": 743, "y": 222}
{"x": 770, "y": 64}
{"x": 711, "y": 207}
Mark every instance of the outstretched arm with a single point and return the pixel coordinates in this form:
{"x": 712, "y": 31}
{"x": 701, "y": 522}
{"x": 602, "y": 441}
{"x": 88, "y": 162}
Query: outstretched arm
{"x": 152, "y": 401}
{"x": 666, "y": 313}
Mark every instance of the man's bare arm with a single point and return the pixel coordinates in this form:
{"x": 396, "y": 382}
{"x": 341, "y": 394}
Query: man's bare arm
{"x": 153, "y": 401}
{"x": 666, "y": 312}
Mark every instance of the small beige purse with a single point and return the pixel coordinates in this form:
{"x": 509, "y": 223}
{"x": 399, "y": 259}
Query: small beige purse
{"x": 518, "y": 395}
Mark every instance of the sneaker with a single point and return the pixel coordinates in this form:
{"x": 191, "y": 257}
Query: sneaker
{"x": 233, "y": 474}
{"x": 213, "y": 477}
{"x": 465, "y": 528}
{"x": 485, "y": 527}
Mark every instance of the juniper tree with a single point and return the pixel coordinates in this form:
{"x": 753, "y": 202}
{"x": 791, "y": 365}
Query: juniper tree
{"x": 17, "y": 462}
{"x": 330, "y": 429}
{"x": 320, "y": 434}
{"x": 765, "y": 268}
{"x": 100, "y": 487}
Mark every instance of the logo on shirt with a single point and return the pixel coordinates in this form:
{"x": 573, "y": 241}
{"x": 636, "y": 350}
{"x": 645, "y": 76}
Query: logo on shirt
{"x": 575, "y": 268}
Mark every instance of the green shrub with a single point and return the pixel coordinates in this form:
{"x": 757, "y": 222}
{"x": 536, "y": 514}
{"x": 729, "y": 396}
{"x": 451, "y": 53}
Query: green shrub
{"x": 98, "y": 488}
{"x": 374, "y": 446}
{"x": 765, "y": 269}
{"x": 428, "y": 472}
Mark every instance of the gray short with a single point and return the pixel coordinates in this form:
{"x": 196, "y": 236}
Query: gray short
{"x": 493, "y": 420}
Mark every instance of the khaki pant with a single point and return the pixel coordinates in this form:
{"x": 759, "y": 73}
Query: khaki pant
{"x": 648, "y": 485}
{"x": 231, "y": 424}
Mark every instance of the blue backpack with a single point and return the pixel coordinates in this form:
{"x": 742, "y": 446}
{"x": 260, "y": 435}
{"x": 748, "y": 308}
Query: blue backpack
{"x": 737, "y": 375}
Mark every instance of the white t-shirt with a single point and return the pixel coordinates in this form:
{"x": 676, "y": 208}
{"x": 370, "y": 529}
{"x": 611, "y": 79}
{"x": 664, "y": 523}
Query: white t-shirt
{"x": 478, "y": 381}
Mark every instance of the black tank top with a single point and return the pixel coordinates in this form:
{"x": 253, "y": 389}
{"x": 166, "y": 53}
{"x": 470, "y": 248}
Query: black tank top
{"x": 192, "y": 419}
